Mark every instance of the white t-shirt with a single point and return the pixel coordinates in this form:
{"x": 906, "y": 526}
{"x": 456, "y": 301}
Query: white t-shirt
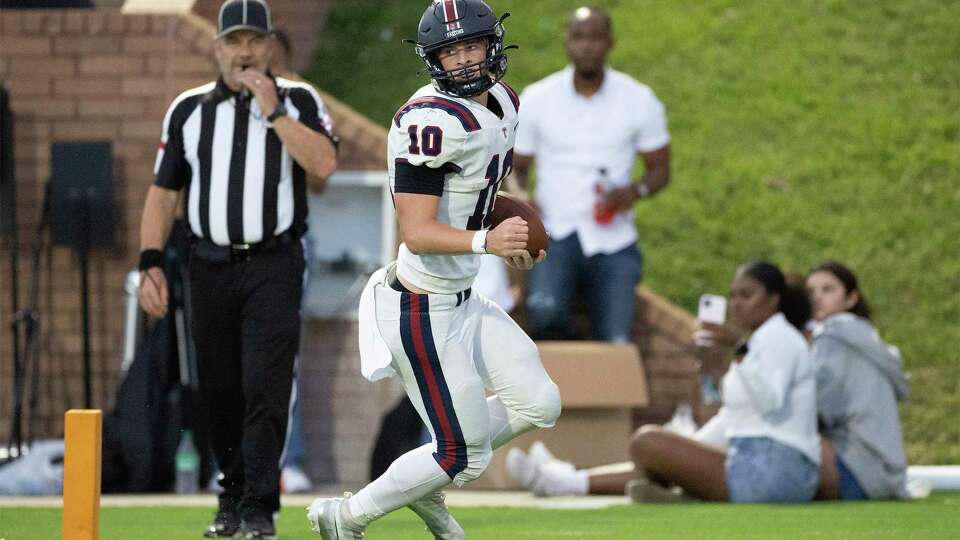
{"x": 572, "y": 137}
{"x": 772, "y": 392}
{"x": 474, "y": 147}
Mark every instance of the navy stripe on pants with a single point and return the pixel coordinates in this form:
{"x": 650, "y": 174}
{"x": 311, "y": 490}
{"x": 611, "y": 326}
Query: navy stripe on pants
{"x": 417, "y": 337}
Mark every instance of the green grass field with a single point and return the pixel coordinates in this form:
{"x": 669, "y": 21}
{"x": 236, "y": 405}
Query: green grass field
{"x": 932, "y": 518}
{"x": 802, "y": 131}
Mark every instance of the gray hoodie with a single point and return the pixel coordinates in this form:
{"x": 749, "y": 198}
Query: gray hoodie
{"x": 860, "y": 379}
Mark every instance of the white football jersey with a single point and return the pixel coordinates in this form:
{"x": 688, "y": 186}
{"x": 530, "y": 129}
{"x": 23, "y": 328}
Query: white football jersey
{"x": 474, "y": 147}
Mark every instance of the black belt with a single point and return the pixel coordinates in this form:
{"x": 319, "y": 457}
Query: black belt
{"x": 397, "y": 286}
{"x": 209, "y": 252}
{"x": 462, "y": 296}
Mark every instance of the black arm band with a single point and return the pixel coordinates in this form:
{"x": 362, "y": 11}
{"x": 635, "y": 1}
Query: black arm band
{"x": 418, "y": 179}
{"x": 151, "y": 258}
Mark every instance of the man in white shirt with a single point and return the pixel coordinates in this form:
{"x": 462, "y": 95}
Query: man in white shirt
{"x": 584, "y": 127}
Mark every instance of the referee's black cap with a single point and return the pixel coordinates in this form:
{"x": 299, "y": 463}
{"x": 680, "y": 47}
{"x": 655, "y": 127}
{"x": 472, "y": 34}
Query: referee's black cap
{"x": 253, "y": 15}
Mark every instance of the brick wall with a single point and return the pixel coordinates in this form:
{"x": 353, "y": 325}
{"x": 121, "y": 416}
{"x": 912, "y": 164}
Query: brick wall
{"x": 79, "y": 75}
{"x": 302, "y": 20}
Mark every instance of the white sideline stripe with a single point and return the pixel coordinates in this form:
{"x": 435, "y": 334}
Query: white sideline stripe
{"x": 455, "y": 498}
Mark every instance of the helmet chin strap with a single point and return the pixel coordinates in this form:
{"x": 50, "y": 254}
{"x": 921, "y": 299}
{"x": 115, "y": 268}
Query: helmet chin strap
{"x": 448, "y": 84}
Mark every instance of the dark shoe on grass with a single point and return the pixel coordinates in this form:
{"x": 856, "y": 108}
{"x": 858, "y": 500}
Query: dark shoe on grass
{"x": 227, "y": 521}
{"x": 257, "y": 527}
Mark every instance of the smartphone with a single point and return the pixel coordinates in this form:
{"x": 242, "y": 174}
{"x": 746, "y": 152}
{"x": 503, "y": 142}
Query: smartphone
{"x": 712, "y": 308}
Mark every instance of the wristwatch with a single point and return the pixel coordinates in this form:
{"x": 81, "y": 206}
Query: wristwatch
{"x": 277, "y": 113}
{"x": 642, "y": 190}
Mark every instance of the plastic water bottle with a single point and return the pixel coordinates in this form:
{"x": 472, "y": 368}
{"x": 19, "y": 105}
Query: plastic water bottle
{"x": 709, "y": 391}
{"x": 187, "y": 465}
{"x": 601, "y": 213}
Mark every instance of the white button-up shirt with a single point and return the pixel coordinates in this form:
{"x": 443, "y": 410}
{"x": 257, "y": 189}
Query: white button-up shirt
{"x": 572, "y": 137}
{"x": 772, "y": 392}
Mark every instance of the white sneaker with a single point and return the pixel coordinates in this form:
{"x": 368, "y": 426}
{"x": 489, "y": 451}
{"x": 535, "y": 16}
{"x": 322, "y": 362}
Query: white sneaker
{"x": 328, "y": 517}
{"x": 520, "y": 467}
{"x": 434, "y": 512}
{"x": 540, "y": 455}
{"x": 294, "y": 480}
{"x": 550, "y": 480}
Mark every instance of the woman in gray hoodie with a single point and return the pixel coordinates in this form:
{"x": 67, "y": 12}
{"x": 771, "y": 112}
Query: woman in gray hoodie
{"x": 860, "y": 380}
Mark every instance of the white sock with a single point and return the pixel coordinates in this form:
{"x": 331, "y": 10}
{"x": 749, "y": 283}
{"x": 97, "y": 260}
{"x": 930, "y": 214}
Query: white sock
{"x": 578, "y": 482}
{"x": 505, "y": 425}
{"x": 553, "y": 481}
{"x": 409, "y": 478}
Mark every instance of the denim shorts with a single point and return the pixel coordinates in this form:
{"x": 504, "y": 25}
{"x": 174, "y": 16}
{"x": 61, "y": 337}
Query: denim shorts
{"x": 762, "y": 470}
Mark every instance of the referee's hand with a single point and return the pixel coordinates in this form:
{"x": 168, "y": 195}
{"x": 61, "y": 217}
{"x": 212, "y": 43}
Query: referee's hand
{"x": 262, "y": 88}
{"x": 153, "y": 293}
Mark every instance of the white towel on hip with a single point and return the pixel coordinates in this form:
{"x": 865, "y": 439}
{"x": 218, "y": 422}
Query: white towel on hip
{"x": 375, "y": 356}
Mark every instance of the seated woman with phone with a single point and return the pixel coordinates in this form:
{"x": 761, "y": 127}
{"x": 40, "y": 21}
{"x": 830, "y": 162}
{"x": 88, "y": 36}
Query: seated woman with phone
{"x": 768, "y": 417}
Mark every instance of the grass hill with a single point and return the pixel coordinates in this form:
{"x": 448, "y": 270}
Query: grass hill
{"x": 802, "y": 131}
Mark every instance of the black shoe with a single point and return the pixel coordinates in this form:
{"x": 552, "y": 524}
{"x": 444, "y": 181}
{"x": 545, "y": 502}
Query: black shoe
{"x": 257, "y": 527}
{"x": 226, "y": 523}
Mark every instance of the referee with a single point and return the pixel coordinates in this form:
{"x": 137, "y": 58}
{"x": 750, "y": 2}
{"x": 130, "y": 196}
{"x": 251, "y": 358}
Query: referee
{"x": 243, "y": 150}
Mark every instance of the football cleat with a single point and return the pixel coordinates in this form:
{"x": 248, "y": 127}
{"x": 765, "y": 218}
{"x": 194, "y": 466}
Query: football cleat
{"x": 434, "y": 512}
{"x": 328, "y": 517}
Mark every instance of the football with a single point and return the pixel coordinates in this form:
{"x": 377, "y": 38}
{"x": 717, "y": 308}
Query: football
{"x": 507, "y": 206}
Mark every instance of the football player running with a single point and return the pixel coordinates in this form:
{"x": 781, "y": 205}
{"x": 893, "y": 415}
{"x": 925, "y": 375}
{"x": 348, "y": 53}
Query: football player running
{"x": 449, "y": 148}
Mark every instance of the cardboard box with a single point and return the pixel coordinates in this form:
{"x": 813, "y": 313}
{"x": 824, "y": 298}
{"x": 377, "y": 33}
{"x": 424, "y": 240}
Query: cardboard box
{"x": 600, "y": 383}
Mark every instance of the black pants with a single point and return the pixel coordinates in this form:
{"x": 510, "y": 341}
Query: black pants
{"x": 246, "y": 326}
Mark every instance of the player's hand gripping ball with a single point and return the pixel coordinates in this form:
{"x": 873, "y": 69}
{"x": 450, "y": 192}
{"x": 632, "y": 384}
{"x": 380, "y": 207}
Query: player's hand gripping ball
{"x": 506, "y": 206}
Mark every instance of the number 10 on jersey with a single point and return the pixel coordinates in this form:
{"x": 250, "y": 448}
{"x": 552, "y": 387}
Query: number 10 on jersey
{"x": 429, "y": 142}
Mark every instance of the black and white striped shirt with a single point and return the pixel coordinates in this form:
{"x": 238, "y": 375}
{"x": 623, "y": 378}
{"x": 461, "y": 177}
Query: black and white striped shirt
{"x": 242, "y": 185}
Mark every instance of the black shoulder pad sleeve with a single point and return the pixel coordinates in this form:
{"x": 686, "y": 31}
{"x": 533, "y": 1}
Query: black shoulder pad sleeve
{"x": 418, "y": 179}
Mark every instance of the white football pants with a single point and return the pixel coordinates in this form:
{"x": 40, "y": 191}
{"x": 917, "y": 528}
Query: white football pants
{"x": 447, "y": 349}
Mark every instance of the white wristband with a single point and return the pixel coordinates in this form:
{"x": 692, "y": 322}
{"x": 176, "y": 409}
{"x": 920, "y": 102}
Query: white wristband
{"x": 479, "y": 244}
